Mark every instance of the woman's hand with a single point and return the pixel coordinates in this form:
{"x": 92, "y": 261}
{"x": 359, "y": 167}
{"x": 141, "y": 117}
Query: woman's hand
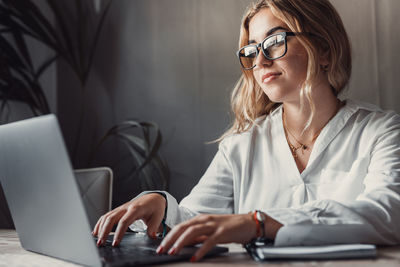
{"x": 214, "y": 229}
{"x": 150, "y": 208}
{"x": 209, "y": 230}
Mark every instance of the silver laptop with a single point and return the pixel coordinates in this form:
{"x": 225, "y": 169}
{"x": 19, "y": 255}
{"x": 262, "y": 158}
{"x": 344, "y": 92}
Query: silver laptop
{"x": 46, "y": 206}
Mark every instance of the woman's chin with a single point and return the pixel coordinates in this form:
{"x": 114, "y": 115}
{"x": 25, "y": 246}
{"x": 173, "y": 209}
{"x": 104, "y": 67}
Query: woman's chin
{"x": 274, "y": 94}
{"x": 279, "y": 94}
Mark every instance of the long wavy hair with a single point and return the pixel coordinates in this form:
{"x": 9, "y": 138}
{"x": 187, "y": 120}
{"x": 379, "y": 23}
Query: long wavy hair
{"x": 325, "y": 36}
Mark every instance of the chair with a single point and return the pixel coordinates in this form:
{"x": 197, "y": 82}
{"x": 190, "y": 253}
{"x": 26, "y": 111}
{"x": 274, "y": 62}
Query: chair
{"x": 95, "y": 186}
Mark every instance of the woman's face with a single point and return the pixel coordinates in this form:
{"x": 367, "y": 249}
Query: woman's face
{"x": 281, "y": 79}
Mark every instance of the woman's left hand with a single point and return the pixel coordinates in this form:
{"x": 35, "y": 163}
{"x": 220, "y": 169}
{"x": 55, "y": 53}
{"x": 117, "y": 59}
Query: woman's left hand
{"x": 209, "y": 230}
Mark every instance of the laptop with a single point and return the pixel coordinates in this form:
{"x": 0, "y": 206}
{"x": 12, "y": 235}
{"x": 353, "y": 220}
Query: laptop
{"x": 46, "y": 206}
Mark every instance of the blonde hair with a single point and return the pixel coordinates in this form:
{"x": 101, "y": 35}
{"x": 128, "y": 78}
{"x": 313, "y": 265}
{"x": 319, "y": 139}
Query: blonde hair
{"x": 325, "y": 37}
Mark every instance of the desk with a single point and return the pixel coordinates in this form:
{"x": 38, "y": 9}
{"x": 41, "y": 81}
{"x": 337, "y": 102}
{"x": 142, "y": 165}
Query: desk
{"x": 12, "y": 254}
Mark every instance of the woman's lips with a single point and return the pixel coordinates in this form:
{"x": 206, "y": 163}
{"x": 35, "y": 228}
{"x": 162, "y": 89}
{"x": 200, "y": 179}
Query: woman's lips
{"x": 266, "y": 78}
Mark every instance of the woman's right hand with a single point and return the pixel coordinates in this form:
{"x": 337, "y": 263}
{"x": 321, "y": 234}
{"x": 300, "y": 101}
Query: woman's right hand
{"x": 150, "y": 208}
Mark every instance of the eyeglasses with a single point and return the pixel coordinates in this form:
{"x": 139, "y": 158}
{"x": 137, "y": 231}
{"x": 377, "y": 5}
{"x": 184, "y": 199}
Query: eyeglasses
{"x": 273, "y": 47}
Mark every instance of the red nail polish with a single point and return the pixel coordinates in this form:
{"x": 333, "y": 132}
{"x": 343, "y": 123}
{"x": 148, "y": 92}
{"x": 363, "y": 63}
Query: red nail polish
{"x": 98, "y": 242}
{"x": 159, "y": 249}
{"x": 172, "y": 251}
{"x": 114, "y": 243}
{"x": 193, "y": 259}
{"x": 153, "y": 235}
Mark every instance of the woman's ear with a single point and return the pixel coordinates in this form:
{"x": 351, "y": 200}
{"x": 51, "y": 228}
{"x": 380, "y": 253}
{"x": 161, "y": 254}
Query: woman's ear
{"x": 324, "y": 54}
{"x": 324, "y": 61}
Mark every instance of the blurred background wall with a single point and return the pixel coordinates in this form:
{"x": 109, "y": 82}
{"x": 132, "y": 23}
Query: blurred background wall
{"x": 173, "y": 62}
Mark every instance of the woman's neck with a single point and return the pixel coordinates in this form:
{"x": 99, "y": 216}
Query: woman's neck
{"x": 297, "y": 117}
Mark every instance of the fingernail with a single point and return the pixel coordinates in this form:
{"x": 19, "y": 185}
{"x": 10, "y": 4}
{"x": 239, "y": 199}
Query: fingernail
{"x": 172, "y": 251}
{"x": 99, "y": 242}
{"x": 159, "y": 249}
{"x": 114, "y": 243}
{"x": 153, "y": 235}
{"x": 193, "y": 259}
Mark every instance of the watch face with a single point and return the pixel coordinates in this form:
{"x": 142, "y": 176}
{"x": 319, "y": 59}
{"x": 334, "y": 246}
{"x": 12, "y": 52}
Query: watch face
{"x": 260, "y": 216}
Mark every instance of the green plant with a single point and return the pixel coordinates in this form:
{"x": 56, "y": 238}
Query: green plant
{"x": 146, "y": 166}
{"x": 76, "y": 45}
{"x": 19, "y": 80}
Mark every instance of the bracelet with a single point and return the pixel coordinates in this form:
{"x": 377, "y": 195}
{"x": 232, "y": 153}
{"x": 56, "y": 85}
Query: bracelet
{"x": 254, "y": 215}
{"x": 259, "y": 219}
{"x": 164, "y": 225}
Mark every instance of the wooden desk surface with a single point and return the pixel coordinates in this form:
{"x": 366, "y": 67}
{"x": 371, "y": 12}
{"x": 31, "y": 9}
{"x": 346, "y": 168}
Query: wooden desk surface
{"x": 12, "y": 254}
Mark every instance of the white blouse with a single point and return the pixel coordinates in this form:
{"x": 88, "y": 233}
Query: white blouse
{"x": 348, "y": 193}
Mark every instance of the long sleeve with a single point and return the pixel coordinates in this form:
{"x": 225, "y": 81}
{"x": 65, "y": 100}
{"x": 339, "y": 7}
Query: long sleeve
{"x": 373, "y": 217}
{"x": 213, "y": 194}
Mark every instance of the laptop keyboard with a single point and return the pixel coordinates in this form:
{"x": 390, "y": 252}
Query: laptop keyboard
{"x": 131, "y": 251}
{"x": 140, "y": 249}
{"x": 132, "y": 246}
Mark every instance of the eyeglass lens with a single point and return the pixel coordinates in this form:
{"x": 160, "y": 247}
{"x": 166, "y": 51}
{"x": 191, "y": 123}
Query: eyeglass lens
{"x": 274, "y": 47}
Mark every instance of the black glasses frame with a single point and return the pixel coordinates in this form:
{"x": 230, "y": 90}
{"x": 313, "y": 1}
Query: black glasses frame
{"x": 260, "y": 45}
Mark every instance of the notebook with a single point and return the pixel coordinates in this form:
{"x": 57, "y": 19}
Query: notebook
{"x": 46, "y": 205}
{"x": 262, "y": 252}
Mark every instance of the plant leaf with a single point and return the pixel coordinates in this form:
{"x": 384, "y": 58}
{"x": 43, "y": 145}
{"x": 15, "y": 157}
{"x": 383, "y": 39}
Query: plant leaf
{"x": 150, "y": 168}
{"x": 93, "y": 47}
{"x": 19, "y": 40}
{"x": 138, "y": 157}
{"x": 9, "y": 54}
{"x": 44, "y": 66}
{"x": 30, "y": 15}
{"x": 69, "y": 48}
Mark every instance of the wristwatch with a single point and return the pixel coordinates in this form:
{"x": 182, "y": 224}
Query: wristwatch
{"x": 261, "y": 218}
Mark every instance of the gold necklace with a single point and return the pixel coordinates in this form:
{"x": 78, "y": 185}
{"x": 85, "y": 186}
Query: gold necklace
{"x": 293, "y": 149}
{"x": 303, "y": 146}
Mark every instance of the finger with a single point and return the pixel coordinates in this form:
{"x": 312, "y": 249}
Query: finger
{"x": 208, "y": 244}
{"x": 107, "y": 226}
{"x": 102, "y": 221}
{"x": 96, "y": 227}
{"x": 123, "y": 225}
{"x": 190, "y": 235}
{"x": 175, "y": 232}
{"x": 171, "y": 237}
{"x": 198, "y": 240}
{"x": 154, "y": 224}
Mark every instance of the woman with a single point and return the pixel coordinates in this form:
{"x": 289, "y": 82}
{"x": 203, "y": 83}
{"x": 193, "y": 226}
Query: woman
{"x": 299, "y": 166}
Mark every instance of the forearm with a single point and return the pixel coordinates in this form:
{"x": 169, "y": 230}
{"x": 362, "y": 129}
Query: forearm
{"x": 329, "y": 221}
{"x": 271, "y": 228}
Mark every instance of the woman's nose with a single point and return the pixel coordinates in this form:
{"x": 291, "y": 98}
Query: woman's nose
{"x": 262, "y": 61}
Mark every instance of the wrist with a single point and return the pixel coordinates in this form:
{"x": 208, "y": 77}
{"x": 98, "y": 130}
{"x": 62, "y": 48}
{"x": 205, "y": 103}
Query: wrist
{"x": 260, "y": 220}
